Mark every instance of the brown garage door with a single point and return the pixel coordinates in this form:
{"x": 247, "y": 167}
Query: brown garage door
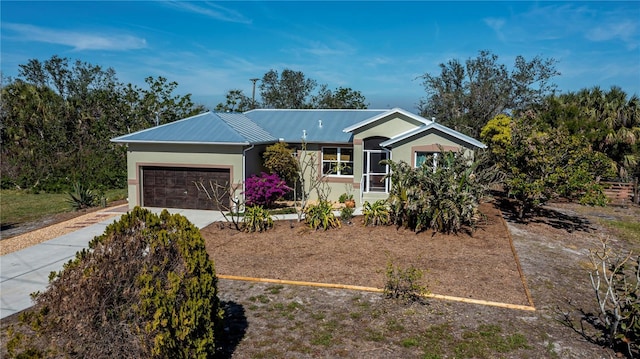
{"x": 174, "y": 187}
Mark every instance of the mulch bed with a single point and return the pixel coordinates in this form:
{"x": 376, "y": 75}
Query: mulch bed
{"x": 478, "y": 266}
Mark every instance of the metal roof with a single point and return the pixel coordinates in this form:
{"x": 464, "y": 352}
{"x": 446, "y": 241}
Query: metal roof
{"x": 271, "y": 125}
{"x": 319, "y": 126}
{"x": 435, "y": 126}
{"x": 205, "y": 128}
{"x": 247, "y": 128}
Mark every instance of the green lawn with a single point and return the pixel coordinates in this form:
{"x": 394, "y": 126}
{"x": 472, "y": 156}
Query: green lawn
{"x": 21, "y": 206}
{"x": 626, "y": 229}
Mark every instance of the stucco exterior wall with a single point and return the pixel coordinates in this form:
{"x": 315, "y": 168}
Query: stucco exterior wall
{"x": 387, "y": 128}
{"x": 333, "y": 186}
{"x": 169, "y": 155}
{"x": 426, "y": 142}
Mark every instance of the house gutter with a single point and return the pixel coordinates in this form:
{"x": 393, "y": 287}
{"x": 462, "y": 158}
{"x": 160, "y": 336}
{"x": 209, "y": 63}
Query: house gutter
{"x": 244, "y": 166}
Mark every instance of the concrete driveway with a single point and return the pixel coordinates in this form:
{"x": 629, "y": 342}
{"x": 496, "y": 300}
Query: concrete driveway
{"x": 27, "y": 271}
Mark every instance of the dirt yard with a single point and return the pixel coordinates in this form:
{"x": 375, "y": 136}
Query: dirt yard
{"x": 267, "y": 320}
{"x": 454, "y": 265}
{"x": 273, "y": 320}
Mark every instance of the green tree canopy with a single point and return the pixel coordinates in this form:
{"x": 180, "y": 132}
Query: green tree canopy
{"x": 279, "y": 158}
{"x": 339, "y": 98}
{"x": 541, "y": 164}
{"x": 609, "y": 120}
{"x": 465, "y": 96}
{"x": 58, "y": 118}
{"x": 236, "y": 101}
{"x": 291, "y": 89}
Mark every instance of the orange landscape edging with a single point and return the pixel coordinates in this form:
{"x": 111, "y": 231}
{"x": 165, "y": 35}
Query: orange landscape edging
{"x": 376, "y": 290}
{"x": 517, "y": 259}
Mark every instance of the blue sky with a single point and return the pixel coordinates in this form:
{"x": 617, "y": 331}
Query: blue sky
{"x": 378, "y": 48}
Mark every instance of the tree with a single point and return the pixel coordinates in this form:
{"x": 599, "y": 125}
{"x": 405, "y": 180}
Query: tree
{"x": 609, "y": 120}
{"x": 542, "y": 164}
{"x": 34, "y": 135}
{"x": 340, "y": 98}
{"x": 236, "y": 101}
{"x": 279, "y": 158}
{"x": 160, "y": 104}
{"x": 58, "y": 117}
{"x": 466, "y": 96}
{"x": 289, "y": 90}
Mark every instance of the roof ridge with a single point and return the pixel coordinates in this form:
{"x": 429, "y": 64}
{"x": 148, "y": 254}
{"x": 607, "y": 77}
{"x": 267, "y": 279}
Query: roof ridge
{"x": 317, "y": 109}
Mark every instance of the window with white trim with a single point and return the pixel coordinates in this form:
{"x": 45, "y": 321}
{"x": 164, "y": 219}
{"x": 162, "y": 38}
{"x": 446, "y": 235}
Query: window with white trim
{"x": 421, "y": 158}
{"x": 337, "y": 161}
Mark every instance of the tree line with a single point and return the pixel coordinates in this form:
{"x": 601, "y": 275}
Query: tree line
{"x": 292, "y": 89}
{"x": 58, "y": 116}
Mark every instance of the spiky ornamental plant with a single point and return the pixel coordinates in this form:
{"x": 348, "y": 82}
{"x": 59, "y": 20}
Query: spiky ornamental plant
{"x": 443, "y": 198}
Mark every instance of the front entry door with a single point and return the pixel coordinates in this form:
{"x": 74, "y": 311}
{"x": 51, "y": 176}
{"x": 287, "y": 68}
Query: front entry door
{"x": 375, "y": 172}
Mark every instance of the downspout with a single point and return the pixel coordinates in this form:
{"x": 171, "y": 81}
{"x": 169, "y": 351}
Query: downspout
{"x": 244, "y": 167}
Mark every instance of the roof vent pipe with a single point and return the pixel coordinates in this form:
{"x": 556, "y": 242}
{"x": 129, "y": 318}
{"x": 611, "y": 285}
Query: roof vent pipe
{"x": 433, "y": 119}
{"x": 304, "y": 134}
{"x": 319, "y": 123}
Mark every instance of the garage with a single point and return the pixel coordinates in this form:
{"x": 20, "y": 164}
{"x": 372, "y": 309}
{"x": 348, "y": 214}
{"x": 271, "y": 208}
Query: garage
{"x": 174, "y": 187}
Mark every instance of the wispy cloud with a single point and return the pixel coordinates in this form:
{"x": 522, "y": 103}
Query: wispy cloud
{"x": 375, "y": 61}
{"x": 211, "y": 10}
{"x": 563, "y": 21}
{"x": 625, "y": 30}
{"x": 336, "y": 48}
{"x": 78, "y": 40}
{"x": 321, "y": 49}
{"x": 496, "y": 24}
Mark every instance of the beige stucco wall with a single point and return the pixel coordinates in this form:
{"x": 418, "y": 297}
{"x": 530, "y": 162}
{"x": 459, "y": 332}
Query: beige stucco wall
{"x": 333, "y": 186}
{"x": 385, "y": 127}
{"x": 401, "y": 151}
{"x": 169, "y": 155}
{"x": 405, "y": 150}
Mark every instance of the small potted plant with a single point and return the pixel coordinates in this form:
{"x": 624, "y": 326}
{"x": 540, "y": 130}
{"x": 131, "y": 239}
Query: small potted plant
{"x": 351, "y": 203}
{"x": 347, "y": 199}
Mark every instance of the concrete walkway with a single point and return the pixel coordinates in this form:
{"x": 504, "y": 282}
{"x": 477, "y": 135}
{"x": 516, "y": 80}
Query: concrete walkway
{"x": 27, "y": 271}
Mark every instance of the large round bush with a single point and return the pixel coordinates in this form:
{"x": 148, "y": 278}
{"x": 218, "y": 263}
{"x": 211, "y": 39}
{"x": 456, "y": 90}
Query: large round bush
{"x": 145, "y": 288}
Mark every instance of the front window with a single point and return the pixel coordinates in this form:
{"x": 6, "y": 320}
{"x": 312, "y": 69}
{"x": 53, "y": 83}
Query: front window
{"x": 422, "y": 157}
{"x": 337, "y": 161}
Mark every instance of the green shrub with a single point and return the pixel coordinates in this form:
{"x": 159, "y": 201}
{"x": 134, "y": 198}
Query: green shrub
{"x": 376, "y": 214}
{"x": 146, "y": 288}
{"x": 345, "y": 197}
{"x": 346, "y": 213}
{"x": 256, "y": 219}
{"x": 403, "y": 284}
{"x": 81, "y": 197}
{"x": 279, "y": 158}
{"x": 321, "y": 216}
{"x": 443, "y": 198}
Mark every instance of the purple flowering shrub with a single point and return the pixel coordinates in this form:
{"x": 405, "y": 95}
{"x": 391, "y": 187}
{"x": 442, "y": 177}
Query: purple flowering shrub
{"x": 263, "y": 190}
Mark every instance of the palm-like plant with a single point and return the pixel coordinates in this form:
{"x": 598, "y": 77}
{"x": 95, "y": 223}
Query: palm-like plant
{"x": 610, "y": 120}
{"x": 81, "y": 197}
{"x": 443, "y": 198}
{"x": 376, "y": 214}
